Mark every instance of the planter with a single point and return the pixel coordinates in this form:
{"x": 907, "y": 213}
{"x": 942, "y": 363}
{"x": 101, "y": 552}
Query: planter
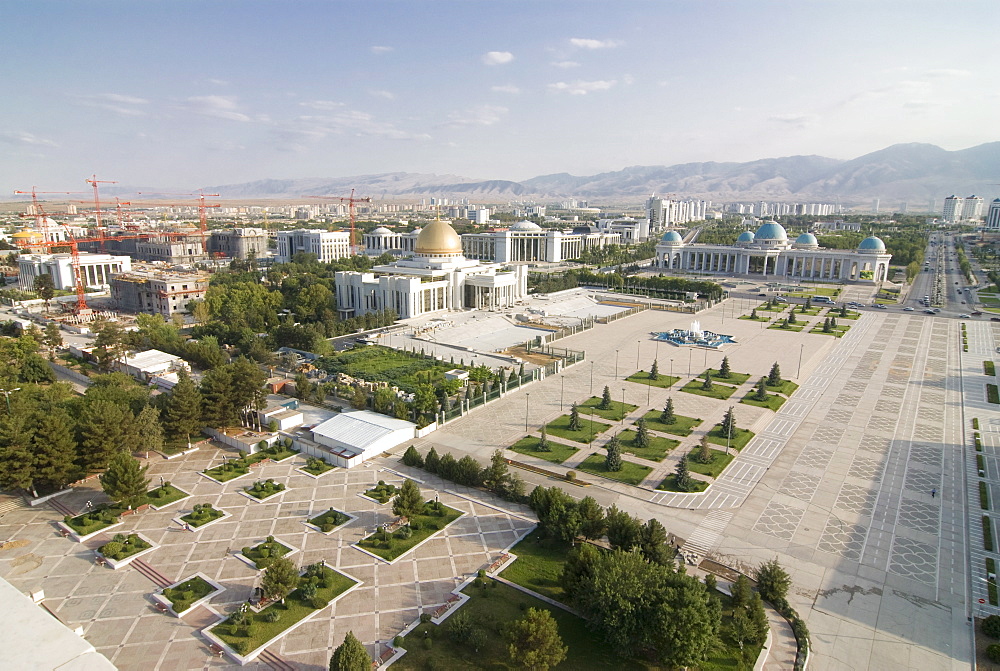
{"x": 164, "y": 601}
{"x": 350, "y": 518}
{"x": 116, "y": 564}
{"x": 80, "y": 539}
{"x": 191, "y": 527}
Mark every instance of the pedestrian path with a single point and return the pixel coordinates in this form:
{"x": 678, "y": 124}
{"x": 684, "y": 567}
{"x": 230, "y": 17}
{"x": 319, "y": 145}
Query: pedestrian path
{"x": 706, "y": 536}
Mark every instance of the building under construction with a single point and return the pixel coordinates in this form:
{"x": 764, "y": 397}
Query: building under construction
{"x": 157, "y": 292}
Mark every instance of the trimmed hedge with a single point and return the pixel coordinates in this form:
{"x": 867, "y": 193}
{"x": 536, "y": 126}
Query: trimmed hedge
{"x": 987, "y": 534}
{"x": 984, "y": 497}
{"x": 992, "y": 394}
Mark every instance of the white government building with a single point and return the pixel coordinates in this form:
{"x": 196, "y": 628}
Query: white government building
{"x": 326, "y": 245}
{"x": 437, "y": 277}
{"x": 769, "y": 254}
{"x": 95, "y": 269}
{"x": 526, "y": 241}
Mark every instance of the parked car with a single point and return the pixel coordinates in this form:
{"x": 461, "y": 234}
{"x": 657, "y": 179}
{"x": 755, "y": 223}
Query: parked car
{"x": 930, "y": 312}
{"x": 995, "y": 319}
{"x": 977, "y": 313}
{"x": 963, "y": 316}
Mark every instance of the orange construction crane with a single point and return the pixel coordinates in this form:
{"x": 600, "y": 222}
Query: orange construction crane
{"x": 350, "y": 200}
{"x": 38, "y": 211}
{"x": 93, "y": 181}
{"x": 202, "y": 207}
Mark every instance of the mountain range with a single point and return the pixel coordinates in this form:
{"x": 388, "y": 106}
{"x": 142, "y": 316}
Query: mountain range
{"x": 915, "y": 173}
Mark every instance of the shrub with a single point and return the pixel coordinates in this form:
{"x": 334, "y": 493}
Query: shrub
{"x": 326, "y": 527}
{"x": 425, "y": 617}
{"x": 112, "y": 549}
{"x": 993, "y": 652}
{"x": 404, "y": 533}
{"x": 991, "y": 626}
{"x": 272, "y": 615}
{"x": 318, "y": 602}
{"x": 397, "y": 642}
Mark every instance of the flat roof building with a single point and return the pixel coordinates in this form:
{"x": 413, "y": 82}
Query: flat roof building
{"x": 96, "y": 270}
{"x": 351, "y": 438}
{"x": 158, "y": 292}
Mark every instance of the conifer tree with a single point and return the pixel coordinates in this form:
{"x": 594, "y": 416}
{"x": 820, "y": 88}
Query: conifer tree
{"x": 761, "y": 393}
{"x": 704, "y": 451}
{"x": 774, "y": 377}
{"x": 724, "y": 371}
{"x": 218, "y": 400}
{"x": 728, "y": 425}
{"x": 791, "y": 317}
{"x": 182, "y": 411}
{"x": 707, "y": 384}
{"x": 605, "y": 399}
{"x": 54, "y": 448}
{"x": 17, "y": 469}
{"x": 843, "y": 311}
{"x": 103, "y": 429}
{"x": 826, "y": 325}
{"x": 350, "y": 656}
{"x": 432, "y": 460}
{"x": 613, "y": 460}
{"x": 124, "y": 480}
{"x": 682, "y": 477}
{"x": 667, "y": 416}
{"x": 543, "y": 441}
{"x": 641, "y": 433}
{"x": 148, "y": 430}
{"x": 833, "y": 322}
{"x": 753, "y": 314}
{"x": 654, "y": 370}
{"x": 574, "y": 418}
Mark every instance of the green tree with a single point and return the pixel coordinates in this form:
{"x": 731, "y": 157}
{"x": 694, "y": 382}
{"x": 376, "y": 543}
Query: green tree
{"x": 728, "y": 425}
{"x": 753, "y": 314}
{"x": 592, "y": 521}
{"x": 761, "y": 393}
{"x": 543, "y": 441}
{"x": 350, "y": 656}
{"x": 724, "y": 371}
{"x": 654, "y": 370}
{"x": 496, "y": 476}
{"x": 468, "y": 472}
{"x": 124, "y": 480}
{"x": 148, "y": 430}
{"x": 574, "y": 418}
{"x": 792, "y": 319}
{"x": 826, "y": 325}
{"x": 605, "y": 399}
{"x": 843, "y": 311}
{"x": 280, "y": 578}
{"x": 667, "y": 416}
{"x": 218, "y": 399}
{"x": 109, "y": 344}
{"x": 408, "y": 502}
{"x": 704, "y": 451}
{"x": 685, "y": 628}
{"x": 653, "y": 543}
{"x": 432, "y": 460}
{"x": 45, "y": 288}
{"x": 248, "y": 384}
{"x": 359, "y": 401}
{"x": 578, "y": 569}
{"x": 741, "y": 591}
{"x": 17, "y": 468}
{"x": 182, "y": 411}
{"x": 774, "y": 377}
{"x": 613, "y": 460}
{"x": 624, "y": 531}
{"x": 807, "y": 305}
{"x": 641, "y": 433}
{"x": 104, "y": 428}
{"x": 682, "y": 476}
{"x": 772, "y": 581}
{"x": 534, "y": 641}
{"x": 54, "y": 448}
{"x": 707, "y": 384}
{"x": 412, "y": 457}
{"x": 52, "y": 338}
{"x": 833, "y": 323}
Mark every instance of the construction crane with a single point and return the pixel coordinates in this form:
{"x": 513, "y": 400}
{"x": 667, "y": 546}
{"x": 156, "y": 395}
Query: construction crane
{"x": 93, "y": 181}
{"x": 350, "y": 200}
{"x": 38, "y": 211}
{"x": 202, "y": 208}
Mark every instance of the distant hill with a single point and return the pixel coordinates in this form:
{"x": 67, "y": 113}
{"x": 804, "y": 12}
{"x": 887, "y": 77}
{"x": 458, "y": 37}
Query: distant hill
{"x": 914, "y": 172}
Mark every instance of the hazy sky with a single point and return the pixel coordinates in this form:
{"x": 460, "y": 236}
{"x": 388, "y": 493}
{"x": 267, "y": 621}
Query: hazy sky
{"x": 191, "y": 94}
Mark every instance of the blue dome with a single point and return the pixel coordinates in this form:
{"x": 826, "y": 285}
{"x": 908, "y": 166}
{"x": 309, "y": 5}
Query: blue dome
{"x": 872, "y": 244}
{"x": 671, "y": 236}
{"x": 807, "y": 239}
{"x": 771, "y": 231}
{"x": 745, "y": 236}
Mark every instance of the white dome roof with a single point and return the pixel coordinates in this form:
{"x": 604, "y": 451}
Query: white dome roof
{"x": 525, "y": 226}
{"x": 381, "y": 230}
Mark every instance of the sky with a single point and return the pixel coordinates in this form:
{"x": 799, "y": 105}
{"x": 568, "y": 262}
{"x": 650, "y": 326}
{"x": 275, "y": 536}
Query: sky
{"x": 190, "y": 94}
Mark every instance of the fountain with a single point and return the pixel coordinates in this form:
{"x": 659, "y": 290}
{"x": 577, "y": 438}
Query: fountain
{"x": 695, "y": 336}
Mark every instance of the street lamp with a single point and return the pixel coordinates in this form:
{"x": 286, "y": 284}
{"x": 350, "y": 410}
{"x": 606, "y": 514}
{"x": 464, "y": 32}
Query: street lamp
{"x": 671, "y": 370}
{"x": 729, "y": 436}
{"x": 591, "y": 378}
{"x": 623, "y": 405}
{"x": 637, "y": 365}
{"x": 526, "y": 395}
{"x": 616, "y": 364}
{"x": 690, "y": 354}
{"x": 562, "y": 386}
{"x": 7, "y": 393}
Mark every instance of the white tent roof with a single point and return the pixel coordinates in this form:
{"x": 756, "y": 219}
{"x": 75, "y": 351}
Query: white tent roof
{"x": 359, "y": 429}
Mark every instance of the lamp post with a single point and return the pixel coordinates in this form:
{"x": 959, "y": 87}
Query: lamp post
{"x": 616, "y": 364}
{"x": 591, "y": 378}
{"x": 562, "y": 386}
{"x": 798, "y": 371}
{"x": 729, "y": 436}
{"x": 671, "y": 370}
{"x": 526, "y": 395}
{"x": 623, "y": 405}
{"x": 7, "y": 393}
{"x": 638, "y": 366}
{"x": 690, "y": 354}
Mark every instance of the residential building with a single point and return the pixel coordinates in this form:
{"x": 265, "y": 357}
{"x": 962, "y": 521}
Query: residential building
{"x": 993, "y": 216}
{"x": 326, "y": 245}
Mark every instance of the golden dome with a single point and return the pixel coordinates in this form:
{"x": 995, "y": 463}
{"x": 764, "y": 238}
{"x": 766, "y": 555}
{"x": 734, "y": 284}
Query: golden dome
{"x": 438, "y": 237}
{"x": 27, "y": 235}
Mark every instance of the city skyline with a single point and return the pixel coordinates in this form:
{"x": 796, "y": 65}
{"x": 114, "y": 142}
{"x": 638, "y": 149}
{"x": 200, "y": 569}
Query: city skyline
{"x": 194, "y": 94}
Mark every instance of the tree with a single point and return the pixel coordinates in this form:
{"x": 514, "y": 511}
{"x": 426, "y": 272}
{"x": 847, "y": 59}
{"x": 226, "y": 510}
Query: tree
{"x": 148, "y": 430}
{"x": 753, "y": 313}
{"x": 45, "y": 287}
{"x": 52, "y": 338}
{"x": 772, "y": 581}
{"x": 574, "y": 418}
{"x": 761, "y": 393}
{"x": 605, "y": 399}
{"x": 54, "y": 447}
{"x": 109, "y": 344}
{"x": 535, "y": 642}
{"x": 685, "y": 628}
{"x": 653, "y": 543}
{"x": 468, "y": 472}
{"x": 182, "y": 411}
{"x": 218, "y": 400}
{"x": 843, "y": 311}
{"x": 350, "y": 656}
{"x": 704, "y": 451}
{"x": 724, "y": 371}
{"x": 592, "y": 521}
{"x": 248, "y": 384}
{"x": 833, "y": 323}
{"x": 17, "y": 470}
{"x": 408, "y": 502}
{"x": 613, "y": 460}
{"x": 808, "y": 304}
{"x": 654, "y": 370}
{"x": 105, "y": 428}
{"x": 792, "y": 319}
{"x": 774, "y": 377}
{"x": 412, "y": 457}
{"x": 124, "y": 481}
{"x": 496, "y": 477}
{"x": 826, "y": 325}
{"x": 624, "y": 531}
{"x": 432, "y": 460}
{"x": 641, "y": 433}
{"x": 707, "y": 384}
{"x": 740, "y": 591}
{"x": 728, "y": 425}
{"x": 359, "y": 401}
{"x": 682, "y": 477}
{"x": 280, "y": 578}
{"x": 667, "y": 416}
{"x": 577, "y": 569}
{"x": 543, "y": 441}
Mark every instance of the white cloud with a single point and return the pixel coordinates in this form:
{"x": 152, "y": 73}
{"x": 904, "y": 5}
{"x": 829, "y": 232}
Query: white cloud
{"x": 218, "y": 107}
{"x": 299, "y": 133}
{"x": 947, "y": 73}
{"x": 379, "y": 50}
{"x": 124, "y": 105}
{"x": 379, "y": 93}
{"x": 566, "y": 64}
{"x": 793, "y": 120}
{"x": 497, "y": 57}
{"x": 579, "y": 87}
{"x": 218, "y": 82}
{"x": 507, "y": 88}
{"x": 587, "y": 43}
{"x": 628, "y": 80}
{"x": 26, "y": 138}
{"x": 119, "y": 98}
{"x": 483, "y": 115}
{"x": 322, "y": 104}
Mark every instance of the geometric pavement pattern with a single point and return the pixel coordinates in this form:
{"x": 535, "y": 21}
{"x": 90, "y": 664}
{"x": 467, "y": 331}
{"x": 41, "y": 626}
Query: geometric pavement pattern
{"x": 779, "y": 520}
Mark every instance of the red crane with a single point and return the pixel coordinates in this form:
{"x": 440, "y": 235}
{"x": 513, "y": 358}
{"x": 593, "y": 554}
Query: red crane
{"x": 202, "y": 207}
{"x": 350, "y": 200}
{"x": 93, "y": 181}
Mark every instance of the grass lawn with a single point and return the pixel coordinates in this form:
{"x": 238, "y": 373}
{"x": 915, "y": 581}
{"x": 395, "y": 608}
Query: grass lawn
{"x": 489, "y": 609}
{"x": 989, "y": 368}
{"x": 203, "y": 515}
{"x": 835, "y": 312}
{"x": 658, "y": 448}
{"x": 614, "y": 413}
{"x": 422, "y": 527}
{"x": 712, "y": 469}
{"x": 161, "y": 496}
{"x": 382, "y": 492}
{"x": 773, "y": 402}
{"x": 294, "y": 609}
{"x": 317, "y": 466}
{"x": 189, "y": 591}
{"x": 557, "y": 452}
{"x": 837, "y": 332}
{"x": 786, "y": 387}
{"x": 130, "y": 545}
{"x": 758, "y": 319}
{"x": 991, "y": 393}
{"x": 779, "y": 326}
{"x": 668, "y": 484}
{"x": 278, "y": 453}
{"x": 719, "y": 391}
{"x": 234, "y": 468}
{"x": 402, "y": 369}
{"x": 734, "y": 378}
{"x": 539, "y": 564}
{"x": 663, "y": 381}
{"x": 682, "y": 425}
{"x": 267, "y": 551}
{"x": 95, "y": 520}
{"x": 779, "y": 307}
{"x": 263, "y": 489}
{"x": 739, "y": 440}
{"x": 329, "y": 520}
{"x": 588, "y": 429}
{"x": 811, "y": 312}
{"x": 631, "y": 473}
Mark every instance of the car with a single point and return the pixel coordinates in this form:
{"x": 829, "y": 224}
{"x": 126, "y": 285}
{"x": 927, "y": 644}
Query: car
{"x": 963, "y": 316}
{"x": 879, "y": 306}
{"x": 963, "y": 302}
{"x": 762, "y": 294}
{"x": 907, "y": 309}
{"x": 977, "y": 313}
{"x": 930, "y": 312}
{"x": 995, "y": 319}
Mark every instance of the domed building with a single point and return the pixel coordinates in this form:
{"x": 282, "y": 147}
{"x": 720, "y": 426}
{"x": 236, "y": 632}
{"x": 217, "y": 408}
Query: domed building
{"x": 768, "y": 254}
{"x": 438, "y": 277}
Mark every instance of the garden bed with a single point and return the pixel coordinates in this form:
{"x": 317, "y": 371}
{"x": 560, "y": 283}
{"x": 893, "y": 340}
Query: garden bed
{"x": 735, "y": 379}
{"x": 737, "y": 441}
{"x": 630, "y": 474}
{"x": 122, "y": 549}
{"x": 184, "y": 595}
{"x": 86, "y": 525}
{"x": 201, "y": 516}
{"x": 316, "y": 467}
{"x": 780, "y": 326}
{"x": 614, "y": 413}
{"x": 589, "y": 429}
{"x": 663, "y": 381}
{"x": 264, "y": 489}
{"x": 161, "y": 497}
{"x": 786, "y": 387}
{"x": 682, "y": 425}
{"x": 773, "y": 402}
{"x": 557, "y": 452}
{"x": 392, "y": 546}
{"x": 718, "y": 462}
{"x": 381, "y": 493}
{"x": 261, "y": 555}
{"x": 330, "y": 521}
{"x": 234, "y": 468}
{"x": 991, "y": 393}
{"x": 657, "y": 450}
{"x": 668, "y": 485}
{"x": 539, "y": 564}
{"x": 719, "y": 391}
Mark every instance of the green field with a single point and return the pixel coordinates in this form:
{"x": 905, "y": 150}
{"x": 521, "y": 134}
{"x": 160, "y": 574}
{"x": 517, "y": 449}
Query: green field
{"x": 539, "y": 564}
{"x": 614, "y": 413}
{"x": 837, "y": 332}
{"x": 733, "y": 379}
{"x": 786, "y": 387}
{"x": 163, "y": 496}
{"x": 588, "y": 429}
{"x": 719, "y": 391}
{"x": 95, "y": 520}
{"x": 714, "y": 467}
{"x": 642, "y": 377}
{"x": 390, "y": 546}
{"x": 682, "y": 425}
{"x": 791, "y": 327}
{"x": 375, "y": 363}
{"x": 739, "y": 439}
{"x": 779, "y": 307}
{"x": 557, "y": 452}
{"x": 631, "y": 473}
{"x": 658, "y": 448}
{"x": 773, "y": 402}
{"x": 668, "y": 485}
{"x": 186, "y": 593}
